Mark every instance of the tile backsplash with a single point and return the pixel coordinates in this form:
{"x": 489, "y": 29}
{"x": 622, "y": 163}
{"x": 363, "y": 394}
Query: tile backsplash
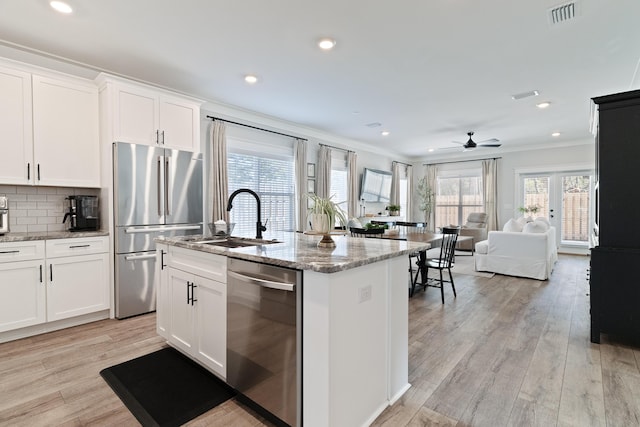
{"x": 37, "y": 209}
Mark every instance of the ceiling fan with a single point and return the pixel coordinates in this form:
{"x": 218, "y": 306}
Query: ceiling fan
{"x": 471, "y": 144}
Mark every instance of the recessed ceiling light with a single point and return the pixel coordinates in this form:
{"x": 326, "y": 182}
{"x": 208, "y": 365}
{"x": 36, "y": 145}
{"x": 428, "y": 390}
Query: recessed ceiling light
{"x": 555, "y": 134}
{"x": 326, "y": 44}
{"x": 250, "y": 78}
{"x": 430, "y": 150}
{"x": 384, "y": 133}
{"x": 543, "y": 105}
{"x": 61, "y": 6}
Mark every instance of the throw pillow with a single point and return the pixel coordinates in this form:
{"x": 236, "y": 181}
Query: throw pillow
{"x": 535, "y": 227}
{"x": 512, "y": 225}
{"x": 543, "y": 219}
{"x": 543, "y": 222}
{"x": 474, "y": 225}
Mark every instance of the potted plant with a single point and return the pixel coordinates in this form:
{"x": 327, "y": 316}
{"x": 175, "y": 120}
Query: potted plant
{"x": 531, "y": 209}
{"x": 426, "y": 197}
{"x": 394, "y": 210}
{"x": 323, "y": 214}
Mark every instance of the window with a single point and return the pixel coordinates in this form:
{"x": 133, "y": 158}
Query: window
{"x": 270, "y": 173}
{"x": 457, "y": 195}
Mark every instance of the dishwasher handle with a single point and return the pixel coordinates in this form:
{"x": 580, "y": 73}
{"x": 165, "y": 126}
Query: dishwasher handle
{"x": 283, "y": 286}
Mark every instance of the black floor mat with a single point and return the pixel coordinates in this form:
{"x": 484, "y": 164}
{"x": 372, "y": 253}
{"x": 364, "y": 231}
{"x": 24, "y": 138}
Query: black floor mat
{"x": 165, "y": 388}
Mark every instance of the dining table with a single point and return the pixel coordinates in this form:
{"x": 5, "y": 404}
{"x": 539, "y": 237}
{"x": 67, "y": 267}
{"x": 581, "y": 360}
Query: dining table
{"x": 423, "y": 237}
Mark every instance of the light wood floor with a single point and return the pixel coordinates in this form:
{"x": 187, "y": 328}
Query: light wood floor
{"x": 505, "y": 352}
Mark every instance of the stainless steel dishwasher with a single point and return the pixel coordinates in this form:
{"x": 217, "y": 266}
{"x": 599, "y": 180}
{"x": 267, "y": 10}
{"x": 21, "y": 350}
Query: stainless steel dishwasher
{"x": 264, "y": 345}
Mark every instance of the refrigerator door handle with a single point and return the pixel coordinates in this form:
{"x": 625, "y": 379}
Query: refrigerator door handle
{"x": 158, "y": 186}
{"x": 133, "y": 230}
{"x": 166, "y": 187}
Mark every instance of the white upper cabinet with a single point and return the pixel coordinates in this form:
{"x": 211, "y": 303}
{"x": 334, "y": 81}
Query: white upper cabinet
{"x": 142, "y": 114}
{"x": 65, "y": 133}
{"x": 49, "y": 124}
{"x": 16, "y": 140}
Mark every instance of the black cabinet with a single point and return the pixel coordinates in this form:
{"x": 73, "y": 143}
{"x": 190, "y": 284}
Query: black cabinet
{"x": 614, "y": 280}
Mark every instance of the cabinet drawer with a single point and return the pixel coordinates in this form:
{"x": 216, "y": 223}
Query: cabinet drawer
{"x": 201, "y": 263}
{"x": 21, "y": 251}
{"x": 77, "y": 246}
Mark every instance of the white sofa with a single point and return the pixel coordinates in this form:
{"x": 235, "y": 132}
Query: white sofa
{"x": 518, "y": 253}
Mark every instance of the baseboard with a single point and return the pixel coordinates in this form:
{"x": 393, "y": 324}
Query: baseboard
{"x": 43, "y": 328}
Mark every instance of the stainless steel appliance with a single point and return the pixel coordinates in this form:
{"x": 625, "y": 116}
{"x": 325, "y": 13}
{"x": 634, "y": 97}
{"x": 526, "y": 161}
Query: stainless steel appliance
{"x": 264, "y": 326}
{"x": 4, "y": 215}
{"x": 83, "y": 213}
{"x": 157, "y": 192}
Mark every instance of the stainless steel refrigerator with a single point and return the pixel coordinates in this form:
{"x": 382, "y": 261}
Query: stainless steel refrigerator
{"x": 157, "y": 192}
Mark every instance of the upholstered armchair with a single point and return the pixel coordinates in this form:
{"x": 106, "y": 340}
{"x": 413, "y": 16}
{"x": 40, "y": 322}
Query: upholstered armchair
{"x": 476, "y": 226}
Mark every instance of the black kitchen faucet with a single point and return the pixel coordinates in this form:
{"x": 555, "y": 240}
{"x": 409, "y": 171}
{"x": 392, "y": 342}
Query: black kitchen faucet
{"x": 259, "y": 227}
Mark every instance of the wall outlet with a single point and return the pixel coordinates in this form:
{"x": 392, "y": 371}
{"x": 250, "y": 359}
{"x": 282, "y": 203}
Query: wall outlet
{"x": 364, "y": 294}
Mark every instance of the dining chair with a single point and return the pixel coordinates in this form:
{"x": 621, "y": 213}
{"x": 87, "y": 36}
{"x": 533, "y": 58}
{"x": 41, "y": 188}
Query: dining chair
{"x": 443, "y": 261}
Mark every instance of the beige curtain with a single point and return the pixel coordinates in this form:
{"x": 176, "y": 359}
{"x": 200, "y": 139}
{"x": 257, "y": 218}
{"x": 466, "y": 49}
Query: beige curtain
{"x": 396, "y": 171}
{"x": 352, "y": 177}
{"x": 409, "y": 212}
{"x": 300, "y": 159}
{"x": 431, "y": 174}
{"x": 490, "y": 188}
{"x": 218, "y": 181}
{"x": 323, "y": 172}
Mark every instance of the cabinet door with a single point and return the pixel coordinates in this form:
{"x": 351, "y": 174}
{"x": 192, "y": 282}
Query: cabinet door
{"x": 22, "y": 294}
{"x": 179, "y": 124}
{"x": 136, "y": 116}
{"x": 163, "y": 301}
{"x": 16, "y": 140}
{"x": 65, "y": 133}
{"x": 211, "y": 324}
{"x": 181, "y": 314}
{"x": 77, "y": 285}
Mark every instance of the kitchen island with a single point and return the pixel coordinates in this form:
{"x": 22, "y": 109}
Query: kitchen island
{"x": 354, "y": 315}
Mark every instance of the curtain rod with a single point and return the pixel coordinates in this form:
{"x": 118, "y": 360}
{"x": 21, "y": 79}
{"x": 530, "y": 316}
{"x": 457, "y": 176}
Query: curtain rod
{"x": 257, "y": 128}
{"x": 337, "y": 148}
{"x": 462, "y": 161}
{"x": 402, "y": 163}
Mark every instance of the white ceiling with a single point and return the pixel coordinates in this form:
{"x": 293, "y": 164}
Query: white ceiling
{"x": 428, "y": 71}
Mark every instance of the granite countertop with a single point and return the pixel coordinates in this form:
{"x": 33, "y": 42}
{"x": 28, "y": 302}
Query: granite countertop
{"x": 50, "y": 235}
{"x": 301, "y": 252}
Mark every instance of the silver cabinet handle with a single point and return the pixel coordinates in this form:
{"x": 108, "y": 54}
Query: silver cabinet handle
{"x": 283, "y": 286}
{"x": 79, "y": 246}
{"x": 9, "y": 252}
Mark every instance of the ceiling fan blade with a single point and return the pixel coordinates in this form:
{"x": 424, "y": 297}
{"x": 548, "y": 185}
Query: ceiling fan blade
{"x": 489, "y": 140}
{"x": 458, "y": 142}
{"x": 489, "y": 145}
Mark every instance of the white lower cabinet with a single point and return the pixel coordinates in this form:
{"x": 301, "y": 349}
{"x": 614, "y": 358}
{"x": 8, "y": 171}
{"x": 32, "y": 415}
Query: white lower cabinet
{"x": 22, "y": 295}
{"x": 46, "y": 281}
{"x": 192, "y": 305}
{"x": 77, "y": 285}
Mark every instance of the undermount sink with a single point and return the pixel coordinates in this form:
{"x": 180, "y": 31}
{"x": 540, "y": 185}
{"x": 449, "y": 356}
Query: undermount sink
{"x": 235, "y": 242}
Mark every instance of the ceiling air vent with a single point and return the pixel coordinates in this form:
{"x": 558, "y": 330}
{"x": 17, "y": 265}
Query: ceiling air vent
{"x": 563, "y": 13}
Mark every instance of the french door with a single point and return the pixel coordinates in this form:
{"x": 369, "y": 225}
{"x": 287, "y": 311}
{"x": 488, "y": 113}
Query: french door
{"x": 565, "y": 199}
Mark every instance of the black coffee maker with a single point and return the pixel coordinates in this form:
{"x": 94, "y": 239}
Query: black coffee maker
{"x": 83, "y": 213}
